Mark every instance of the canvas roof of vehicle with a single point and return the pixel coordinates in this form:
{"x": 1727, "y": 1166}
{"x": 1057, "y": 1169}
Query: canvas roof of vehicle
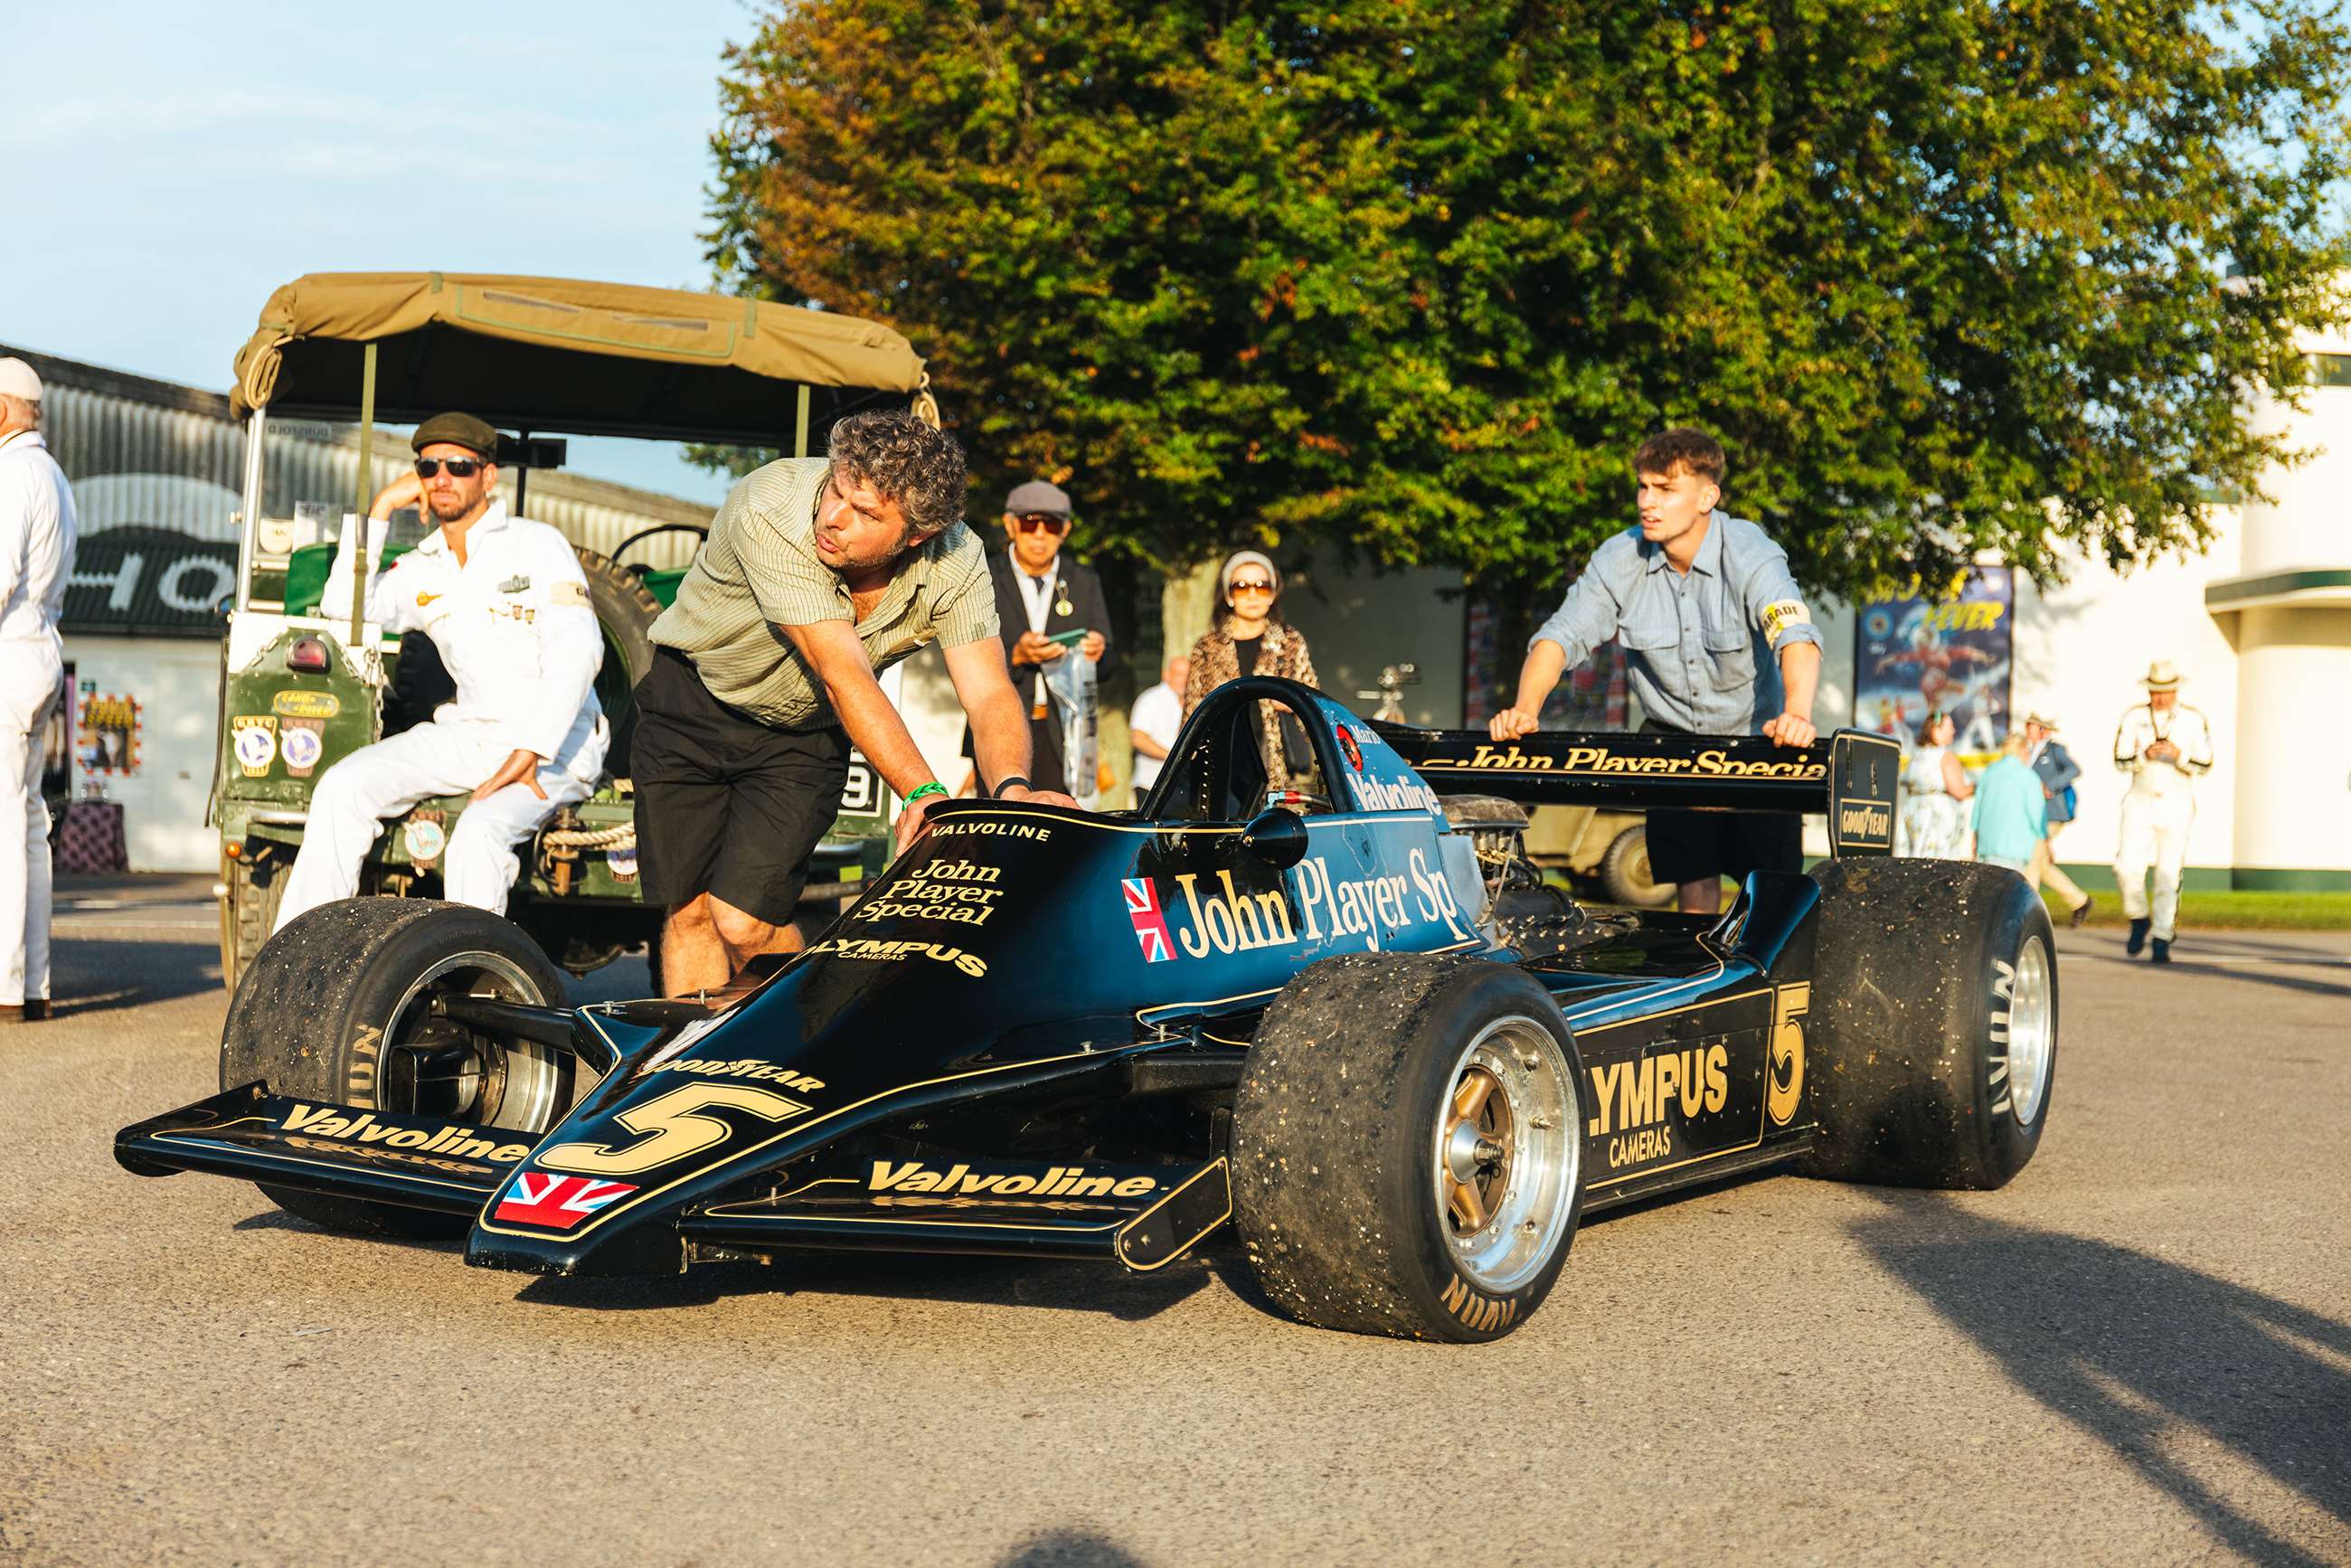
{"x": 550, "y": 354}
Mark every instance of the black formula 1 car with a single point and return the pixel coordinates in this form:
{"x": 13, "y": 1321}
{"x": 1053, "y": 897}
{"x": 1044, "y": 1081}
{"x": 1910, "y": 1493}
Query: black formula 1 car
{"x": 1336, "y": 1009}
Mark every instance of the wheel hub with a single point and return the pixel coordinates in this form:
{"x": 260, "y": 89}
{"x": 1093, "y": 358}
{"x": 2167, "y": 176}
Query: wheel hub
{"x": 1507, "y": 1153}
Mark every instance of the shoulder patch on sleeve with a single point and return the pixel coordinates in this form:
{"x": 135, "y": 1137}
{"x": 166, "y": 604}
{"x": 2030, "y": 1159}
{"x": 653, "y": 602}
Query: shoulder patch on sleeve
{"x": 1782, "y": 614}
{"x": 562, "y": 593}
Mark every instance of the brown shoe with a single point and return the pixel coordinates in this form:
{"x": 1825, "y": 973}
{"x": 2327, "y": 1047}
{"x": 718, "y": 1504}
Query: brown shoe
{"x": 29, "y": 1011}
{"x": 2082, "y": 913}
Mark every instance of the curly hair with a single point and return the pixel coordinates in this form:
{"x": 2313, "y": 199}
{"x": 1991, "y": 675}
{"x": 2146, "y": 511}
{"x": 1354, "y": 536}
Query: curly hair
{"x": 908, "y": 461}
{"x": 1682, "y": 447}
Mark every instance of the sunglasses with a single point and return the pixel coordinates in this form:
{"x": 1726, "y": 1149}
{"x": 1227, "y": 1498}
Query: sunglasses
{"x": 1252, "y": 588}
{"x": 1035, "y": 520}
{"x": 459, "y": 467}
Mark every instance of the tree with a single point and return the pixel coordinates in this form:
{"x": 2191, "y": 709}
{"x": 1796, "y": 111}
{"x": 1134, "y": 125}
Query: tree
{"x": 1418, "y": 276}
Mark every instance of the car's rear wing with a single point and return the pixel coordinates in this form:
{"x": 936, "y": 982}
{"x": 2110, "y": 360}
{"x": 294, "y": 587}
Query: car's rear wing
{"x": 1848, "y": 777}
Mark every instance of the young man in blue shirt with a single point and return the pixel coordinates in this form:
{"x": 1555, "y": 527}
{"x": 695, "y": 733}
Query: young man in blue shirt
{"x": 1717, "y": 642}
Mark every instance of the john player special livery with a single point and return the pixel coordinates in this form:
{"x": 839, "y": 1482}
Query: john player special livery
{"x": 1338, "y": 1011}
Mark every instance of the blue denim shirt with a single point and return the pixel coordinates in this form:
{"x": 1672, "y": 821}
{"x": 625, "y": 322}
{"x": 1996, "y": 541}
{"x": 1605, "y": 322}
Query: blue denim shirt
{"x": 1699, "y": 647}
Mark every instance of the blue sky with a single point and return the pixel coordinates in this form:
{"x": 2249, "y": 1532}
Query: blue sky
{"x": 163, "y": 167}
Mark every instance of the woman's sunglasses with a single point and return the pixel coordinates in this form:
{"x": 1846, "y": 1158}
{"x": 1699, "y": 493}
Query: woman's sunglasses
{"x": 1252, "y": 588}
{"x": 459, "y": 467}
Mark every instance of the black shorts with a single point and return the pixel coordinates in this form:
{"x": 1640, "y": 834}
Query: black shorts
{"x": 724, "y": 804}
{"x": 1692, "y": 846}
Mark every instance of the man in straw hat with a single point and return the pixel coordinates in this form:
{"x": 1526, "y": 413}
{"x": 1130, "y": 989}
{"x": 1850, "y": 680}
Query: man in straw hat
{"x": 2163, "y": 745}
{"x": 2058, "y": 771}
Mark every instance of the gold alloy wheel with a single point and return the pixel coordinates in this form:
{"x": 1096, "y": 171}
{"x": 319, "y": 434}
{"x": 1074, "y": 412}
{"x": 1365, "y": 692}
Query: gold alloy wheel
{"x": 1508, "y": 1155}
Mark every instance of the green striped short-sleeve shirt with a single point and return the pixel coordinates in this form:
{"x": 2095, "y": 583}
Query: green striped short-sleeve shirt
{"x": 758, "y": 571}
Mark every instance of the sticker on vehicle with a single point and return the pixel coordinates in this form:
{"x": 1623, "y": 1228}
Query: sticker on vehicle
{"x": 556, "y": 1202}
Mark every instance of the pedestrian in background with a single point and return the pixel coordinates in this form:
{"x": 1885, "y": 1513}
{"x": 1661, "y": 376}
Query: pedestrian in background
{"x": 1935, "y": 789}
{"x": 2012, "y": 815}
{"x": 2058, "y": 771}
{"x": 1152, "y": 722}
{"x": 2165, "y": 745}
{"x": 37, "y": 555}
{"x": 1248, "y": 637}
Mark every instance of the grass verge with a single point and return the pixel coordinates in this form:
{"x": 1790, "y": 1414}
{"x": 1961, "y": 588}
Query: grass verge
{"x": 2232, "y": 911}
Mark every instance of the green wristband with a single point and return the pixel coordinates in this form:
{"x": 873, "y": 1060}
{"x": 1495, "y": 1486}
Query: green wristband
{"x": 925, "y": 791}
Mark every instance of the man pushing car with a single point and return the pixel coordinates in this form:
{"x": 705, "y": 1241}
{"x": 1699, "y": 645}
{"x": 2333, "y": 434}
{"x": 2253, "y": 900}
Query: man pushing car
{"x": 505, "y": 604}
{"x": 1716, "y": 641}
{"x": 818, "y": 573}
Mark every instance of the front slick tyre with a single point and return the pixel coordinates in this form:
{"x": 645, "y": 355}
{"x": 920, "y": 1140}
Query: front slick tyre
{"x": 1934, "y": 1023}
{"x": 1407, "y": 1144}
{"x": 336, "y": 1009}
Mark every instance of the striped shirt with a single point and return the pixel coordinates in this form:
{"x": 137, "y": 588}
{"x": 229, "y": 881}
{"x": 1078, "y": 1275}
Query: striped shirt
{"x": 758, "y": 571}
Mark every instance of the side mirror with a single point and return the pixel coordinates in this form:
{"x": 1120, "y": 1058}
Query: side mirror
{"x": 1276, "y": 836}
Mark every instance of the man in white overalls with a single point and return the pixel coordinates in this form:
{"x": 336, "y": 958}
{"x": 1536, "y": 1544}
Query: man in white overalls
{"x": 505, "y": 604}
{"x": 37, "y": 555}
{"x": 2163, "y": 745}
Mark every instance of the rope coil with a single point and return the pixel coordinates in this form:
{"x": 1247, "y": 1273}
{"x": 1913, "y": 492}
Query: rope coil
{"x": 592, "y": 838}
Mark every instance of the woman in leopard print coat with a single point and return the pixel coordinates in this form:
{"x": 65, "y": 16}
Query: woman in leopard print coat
{"x": 1249, "y": 627}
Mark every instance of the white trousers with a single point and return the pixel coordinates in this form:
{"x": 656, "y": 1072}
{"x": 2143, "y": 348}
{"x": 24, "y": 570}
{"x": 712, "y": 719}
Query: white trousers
{"x": 29, "y": 671}
{"x": 2154, "y": 833}
{"x": 348, "y": 808}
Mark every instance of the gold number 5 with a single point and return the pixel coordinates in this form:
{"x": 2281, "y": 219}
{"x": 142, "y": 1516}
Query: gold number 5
{"x": 674, "y": 1126}
{"x": 1783, "y": 1088}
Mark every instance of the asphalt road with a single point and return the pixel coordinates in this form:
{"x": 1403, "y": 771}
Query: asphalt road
{"x": 2140, "y": 1351}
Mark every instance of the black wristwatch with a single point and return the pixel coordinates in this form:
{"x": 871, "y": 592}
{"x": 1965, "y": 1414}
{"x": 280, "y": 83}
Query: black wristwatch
{"x": 1015, "y": 781}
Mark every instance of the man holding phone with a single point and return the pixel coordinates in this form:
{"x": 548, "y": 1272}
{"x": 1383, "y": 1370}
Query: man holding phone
{"x": 1047, "y": 606}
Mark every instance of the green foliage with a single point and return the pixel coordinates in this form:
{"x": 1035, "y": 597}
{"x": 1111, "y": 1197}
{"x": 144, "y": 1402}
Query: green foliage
{"x": 1418, "y": 276}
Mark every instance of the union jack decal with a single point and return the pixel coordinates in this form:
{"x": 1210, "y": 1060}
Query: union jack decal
{"x": 556, "y": 1202}
{"x": 1150, "y": 925}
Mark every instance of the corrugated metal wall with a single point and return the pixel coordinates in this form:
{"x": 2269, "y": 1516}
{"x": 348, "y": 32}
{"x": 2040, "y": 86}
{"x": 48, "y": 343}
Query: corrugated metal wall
{"x": 167, "y": 455}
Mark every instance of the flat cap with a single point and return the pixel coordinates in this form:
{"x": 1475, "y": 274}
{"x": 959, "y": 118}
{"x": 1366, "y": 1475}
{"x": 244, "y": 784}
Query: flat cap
{"x": 458, "y": 430}
{"x": 1038, "y": 497}
{"x": 19, "y": 378}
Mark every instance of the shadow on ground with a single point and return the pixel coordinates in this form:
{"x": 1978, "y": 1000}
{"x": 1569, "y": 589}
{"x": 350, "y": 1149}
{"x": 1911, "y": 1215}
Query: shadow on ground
{"x": 1069, "y": 1549}
{"x": 101, "y": 974}
{"x": 2131, "y": 1348}
{"x": 978, "y": 1281}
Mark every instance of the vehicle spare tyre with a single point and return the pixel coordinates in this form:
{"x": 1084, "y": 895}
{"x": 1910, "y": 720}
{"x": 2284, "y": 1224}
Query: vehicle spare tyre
{"x": 626, "y": 611}
{"x": 339, "y": 1008}
{"x": 1625, "y": 874}
{"x": 1407, "y": 1147}
{"x": 1932, "y": 1031}
{"x": 252, "y": 888}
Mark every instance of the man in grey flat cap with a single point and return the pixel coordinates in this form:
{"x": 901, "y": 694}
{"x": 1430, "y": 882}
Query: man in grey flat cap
{"x": 37, "y": 555}
{"x": 1042, "y": 594}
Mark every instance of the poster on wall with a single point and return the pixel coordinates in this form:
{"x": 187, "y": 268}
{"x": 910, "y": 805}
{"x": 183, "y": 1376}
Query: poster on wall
{"x": 109, "y": 731}
{"x": 1915, "y": 657}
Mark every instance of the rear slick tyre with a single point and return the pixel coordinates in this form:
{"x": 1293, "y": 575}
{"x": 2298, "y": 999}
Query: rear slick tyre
{"x": 1934, "y": 1023}
{"x": 1407, "y": 1147}
{"x": 336, "y": 1009}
